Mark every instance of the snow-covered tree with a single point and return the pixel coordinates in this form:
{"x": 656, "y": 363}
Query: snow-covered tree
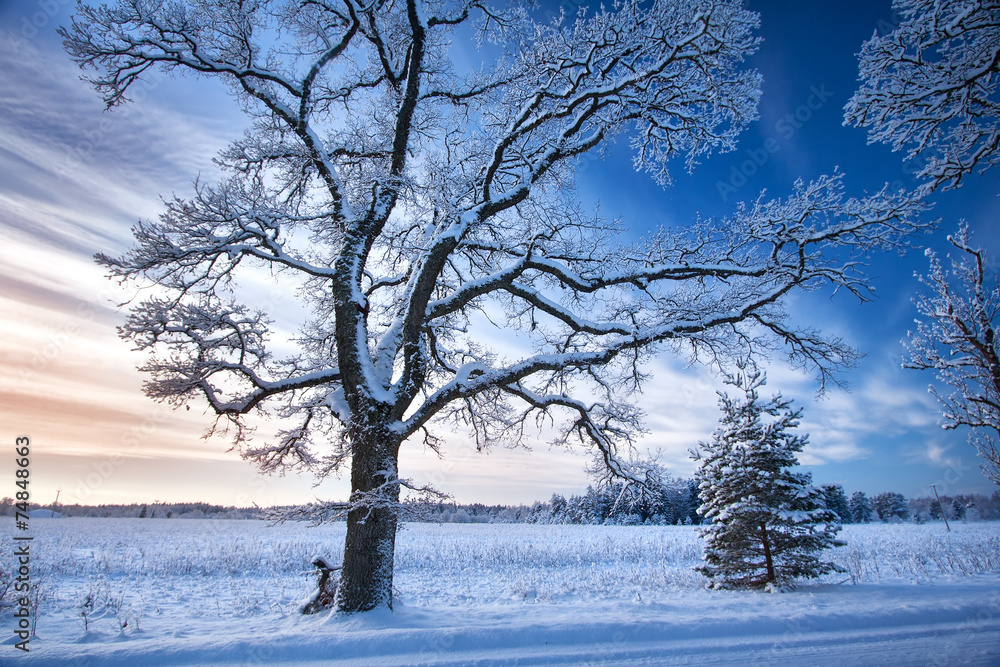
{"x": 958, "y": 340}
{"x": 836, "y": 500}
{"x": 689, "y": 505}
{"x": 418, "y": 206}
{"x": 558, "y": 508}
{"x": 890, "y": 505}
{"x": 934, "y": 510}
{"x": 861, "y": 507}
{"x": 768, "y": 524}
{"x": 957, "y": 509}
{"x": 930, "y": 86}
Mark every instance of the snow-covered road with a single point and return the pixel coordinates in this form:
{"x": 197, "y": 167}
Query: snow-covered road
{"x": 950, "y": 622}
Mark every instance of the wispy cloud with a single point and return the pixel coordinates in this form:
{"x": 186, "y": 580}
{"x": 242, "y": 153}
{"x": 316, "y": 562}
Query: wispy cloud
{"x": 936, "y": 452}
{"x": 74, "y": 179}
{"x": 77, "y": 176}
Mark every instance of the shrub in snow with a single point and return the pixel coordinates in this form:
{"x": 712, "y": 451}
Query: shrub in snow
{"x": 767, "y": 522}
{"x": 104, "y": 601}
{"x": 92, "y": 604}
{"x": 6, "y": 583}
{"x": 326, "y": 587}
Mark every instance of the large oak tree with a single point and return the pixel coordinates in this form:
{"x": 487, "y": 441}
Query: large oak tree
{"x": 419, "y": 205}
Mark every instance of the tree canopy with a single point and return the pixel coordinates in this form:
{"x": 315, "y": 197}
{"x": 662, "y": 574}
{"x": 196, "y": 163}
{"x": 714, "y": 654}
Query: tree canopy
{"x": 957, "y": 340}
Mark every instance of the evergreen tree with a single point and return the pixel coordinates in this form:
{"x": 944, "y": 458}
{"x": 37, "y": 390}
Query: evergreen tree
{"x": 890, "y": 505}
{"x": 836, "y": 501}
{"x": 595, "y": 507}
{"x": 861, "y": 508}
{"x": 691, "y": 504}
{"x": 767, "y": 523}
{"x": 558, "y": 505}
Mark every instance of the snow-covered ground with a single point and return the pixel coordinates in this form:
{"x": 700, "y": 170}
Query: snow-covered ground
{"x": 203, "y": 592}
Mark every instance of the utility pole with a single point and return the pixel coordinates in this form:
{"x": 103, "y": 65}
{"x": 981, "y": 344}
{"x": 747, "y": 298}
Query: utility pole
{"x": 943, "y": 515}
{"x": 55, "y": 505}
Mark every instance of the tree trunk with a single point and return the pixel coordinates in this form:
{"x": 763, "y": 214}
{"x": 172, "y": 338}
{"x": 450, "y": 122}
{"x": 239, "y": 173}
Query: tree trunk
{"x": 370, "y": 546}
{"x": 767, "y": 552}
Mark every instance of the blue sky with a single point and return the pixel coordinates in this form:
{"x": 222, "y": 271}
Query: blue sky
{"x": 73, "y": 179}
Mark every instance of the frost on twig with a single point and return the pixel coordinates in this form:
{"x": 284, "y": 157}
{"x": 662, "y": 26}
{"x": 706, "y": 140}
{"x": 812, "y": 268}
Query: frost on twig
{"x": 930, "y": 87}
{"x": 417, "y": 506}
{"x": 957, "y": 339}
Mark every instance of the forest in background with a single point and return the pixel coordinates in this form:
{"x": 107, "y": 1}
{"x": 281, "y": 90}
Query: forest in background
{"x": 673, "y": 503}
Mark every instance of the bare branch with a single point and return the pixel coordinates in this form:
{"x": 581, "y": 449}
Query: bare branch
{"x": 930, "y": 86}
{"x": 958, "y": 341}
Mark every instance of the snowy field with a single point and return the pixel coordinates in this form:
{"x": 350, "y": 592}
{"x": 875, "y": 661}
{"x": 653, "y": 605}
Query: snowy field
{"x": 204, "y": 592}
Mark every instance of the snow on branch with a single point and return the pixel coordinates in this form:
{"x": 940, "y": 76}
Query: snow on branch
{"x": 740, "y": 269}
{"x": 930, "y": 86}
{"x": 957, "y": 339}
{"x": 213, "y": 346}
{"x": 198, "y": 245}
{"x": 414, "y": 210}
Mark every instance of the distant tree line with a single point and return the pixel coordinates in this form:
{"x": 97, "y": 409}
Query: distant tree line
{"x": 892, "y": 507}
{"x": 146, "y": 510}
{"x": 677, "y": 502}
{"x": 674, "y": 502}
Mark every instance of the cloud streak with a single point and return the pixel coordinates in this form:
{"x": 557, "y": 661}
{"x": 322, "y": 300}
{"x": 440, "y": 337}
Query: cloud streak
{"x": 74, "y": 178}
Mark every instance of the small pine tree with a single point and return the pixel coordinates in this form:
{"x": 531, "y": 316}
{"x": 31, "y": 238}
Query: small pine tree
{"x": 767, "y": 523}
